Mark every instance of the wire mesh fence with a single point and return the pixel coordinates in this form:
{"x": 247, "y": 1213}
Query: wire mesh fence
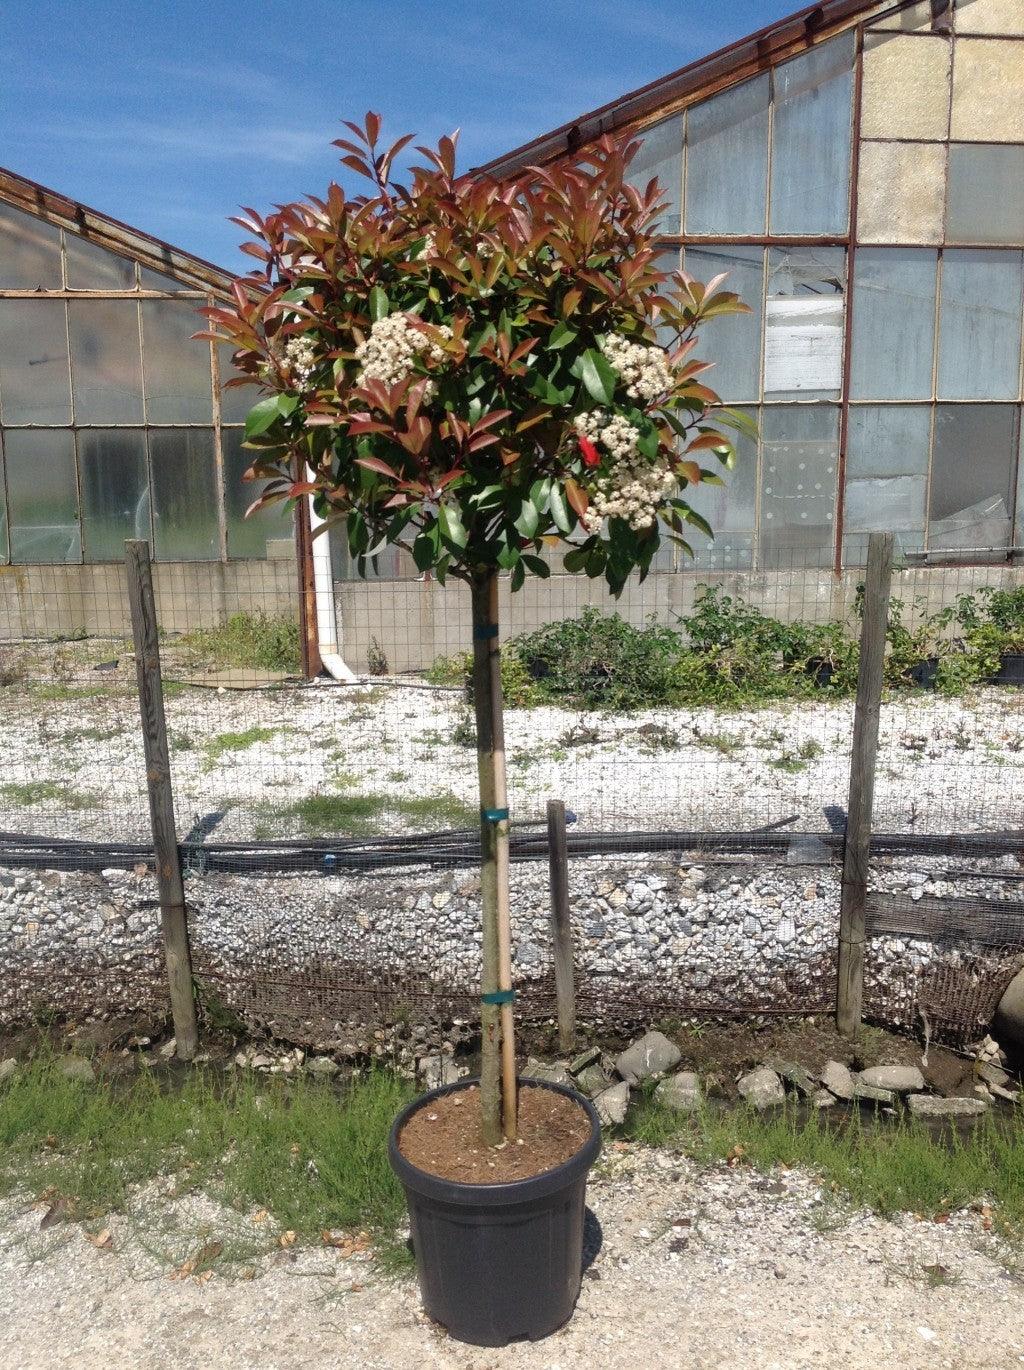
{"x": 698, "y": 729}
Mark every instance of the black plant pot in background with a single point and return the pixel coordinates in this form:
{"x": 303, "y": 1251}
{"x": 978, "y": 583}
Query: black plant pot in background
{"x": 1011, "y": 669}
{"x": 498, "y": 1262}
{"x": 820, "y": 671}
{"x": 925, "y": 673}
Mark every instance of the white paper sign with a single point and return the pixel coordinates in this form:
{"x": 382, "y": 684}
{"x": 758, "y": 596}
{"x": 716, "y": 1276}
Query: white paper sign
{"x": 803, "y": 343}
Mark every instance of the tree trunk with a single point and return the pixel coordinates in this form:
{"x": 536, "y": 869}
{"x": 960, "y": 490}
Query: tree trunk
{"x": 498, "y": 1064}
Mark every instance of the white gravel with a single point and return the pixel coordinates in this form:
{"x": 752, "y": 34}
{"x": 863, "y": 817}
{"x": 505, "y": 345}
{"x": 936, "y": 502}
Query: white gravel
{"x": 719, "y": 1268}
{"x": 944, "y": 765}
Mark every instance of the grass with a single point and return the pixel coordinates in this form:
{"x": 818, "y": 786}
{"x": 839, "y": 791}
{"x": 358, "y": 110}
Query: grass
{"x": 254, "y": 640}
{"x": 217, "y": 746}
{"x": 886, "y": 1167}
{"x": 45, "y": 791}
{"x": 356, "y": 815}
{"x": 312, "y": 1158}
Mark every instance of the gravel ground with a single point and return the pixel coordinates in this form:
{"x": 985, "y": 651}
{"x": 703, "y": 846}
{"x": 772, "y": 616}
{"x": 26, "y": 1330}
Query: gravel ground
{"x": 945, "y": 765}
{"x": 718, "y": 1268}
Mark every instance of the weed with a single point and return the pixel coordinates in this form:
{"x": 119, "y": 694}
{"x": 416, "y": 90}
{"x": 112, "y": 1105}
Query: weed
{"x": 254, "y": 640}
{"x": 356, "y": 815}
{"x": 724, "y": 743}
{"x": 45, "y": 791}
{"x": 313, "y": 1159}
{"x": 13, "y": 668}
{"x": 216, "y": 747}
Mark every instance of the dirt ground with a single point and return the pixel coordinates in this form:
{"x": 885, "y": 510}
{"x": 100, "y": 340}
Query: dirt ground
{"x": 713, "y": 1269}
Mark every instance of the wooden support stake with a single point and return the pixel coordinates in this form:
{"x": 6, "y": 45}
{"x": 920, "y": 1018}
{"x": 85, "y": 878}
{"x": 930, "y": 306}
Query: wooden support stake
{"x": 161, "y": 799}
{"x": 857, "y": 850}
{"x": 497, "y": 1021}
{"x": 561, "y": 931}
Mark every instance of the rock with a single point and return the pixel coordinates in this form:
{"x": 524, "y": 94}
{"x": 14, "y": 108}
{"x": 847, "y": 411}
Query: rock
{"x": 611, "y": 1104}
{"x": 77, "y": 1068}
{"x": 991, "y": 1073}
{"x": 873, "y": 1094}
{"x": 930, "y": 1106}
{"x": 8, "y": 1068}
{"x": 821, "y": 1098}
{"x": 795, "y": 1076}
{"x": 168, "y": 1049}
{"x": 555, "y": 1072}
{"x": 593, "y": 1079}
{"x": 901, "y": 1079}
{"x": 441, "y": 1070}
{"x": 1010, "y": 1095}
{"x": 837, "y": 1080}
{"x": 322, "y": 1065}
{"x": 1008, "y": 1022}
{"x": 681, "y": 1093}
{"x": 652, "y": 1055}
{"x": 761, "y": 1088}
{"x": 584, "y": 1059}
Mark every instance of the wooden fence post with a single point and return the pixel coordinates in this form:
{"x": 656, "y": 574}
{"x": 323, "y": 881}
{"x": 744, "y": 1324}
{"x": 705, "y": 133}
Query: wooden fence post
{"x": 161, "y": 799}
{"x": 561, "y": 931}
{"x": 857, "y": 849}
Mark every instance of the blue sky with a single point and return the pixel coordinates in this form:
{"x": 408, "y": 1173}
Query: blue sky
{"x": 169, "y": 114}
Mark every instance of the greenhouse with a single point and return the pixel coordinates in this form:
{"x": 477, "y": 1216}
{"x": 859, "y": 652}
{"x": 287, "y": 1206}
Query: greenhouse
{"x": 857, "y": 170}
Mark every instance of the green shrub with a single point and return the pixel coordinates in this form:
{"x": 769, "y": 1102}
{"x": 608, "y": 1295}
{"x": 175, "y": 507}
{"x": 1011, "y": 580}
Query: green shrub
{"x": 599, "y": 661}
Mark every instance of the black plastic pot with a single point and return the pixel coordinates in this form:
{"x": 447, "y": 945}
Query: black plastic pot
{"x": 925, "y": 673}
{"x": 498, "y": 1262}
{"x": 1011, "y": 669}
{"x": 820, "y": 671}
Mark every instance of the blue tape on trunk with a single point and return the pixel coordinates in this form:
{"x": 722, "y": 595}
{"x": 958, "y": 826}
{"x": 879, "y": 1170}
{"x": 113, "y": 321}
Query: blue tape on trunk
{"x": 495, "y": 815}
{"x": 488, "y": 630}
{"x": 498, "y": 996}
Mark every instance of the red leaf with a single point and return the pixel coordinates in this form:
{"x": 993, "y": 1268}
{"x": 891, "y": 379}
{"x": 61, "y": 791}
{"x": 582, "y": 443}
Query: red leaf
{"x": 577, "y": 497}
{"x": 381, "y": 467}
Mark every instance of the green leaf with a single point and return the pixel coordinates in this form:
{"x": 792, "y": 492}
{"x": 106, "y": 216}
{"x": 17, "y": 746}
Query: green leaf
{"x": 424, "y": 549}
{"x": 287, "y": 404}
{"x": 561, "y": 336}
{"x": 597, "y": 376}
{"x": 518, "y": 576}
{"x": 262, "y": 416}
{"x": 576, "y": 559}
{"x": 559, "y": 512}
{"x": 528, "y": 520}
{"x": 380, "y": 305}
{"x": 298, "y": 294}
{"x": 451, "y": 525}
{"x": 538, "y": 566}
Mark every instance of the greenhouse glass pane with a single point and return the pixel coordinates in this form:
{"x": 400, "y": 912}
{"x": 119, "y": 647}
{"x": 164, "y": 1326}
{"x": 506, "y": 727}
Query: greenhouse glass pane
{"x": 810, "y": 184}
{"x": 185, "y": 494}
{"x": 106, "y": 365}
{"x": 91, "y": 267}
{"x": 728, "y": 131}
{"x": 178, "y": 370}
{"x": 888, "y": 440}
{"x": 42, "y": 495}
{"x": 115, "y": 491}
{"x": 979, "y": 324}
{"x": 248, "y": 537}
{"x": 29, "y": 252}
{"x": 732, "y": 342}
{"x": 799, "y": 463}
{"x": 156, "y": 280}
{"x": 985, "y": 203}
{"x": 893, "y": 323}
{"x": 972, "y": 475}
{"x": 730, "y": 508}
{"x": 661, "y": 155}
{"x": 804, "y": 322}
{"x": 35, "y": 384}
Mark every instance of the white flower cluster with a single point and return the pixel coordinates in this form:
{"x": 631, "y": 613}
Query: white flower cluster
{"x": 393, "y": 348}
{"x": 633, "y": 488}
{"x": 645, "y": 369}
{"x": 300, "y": 355}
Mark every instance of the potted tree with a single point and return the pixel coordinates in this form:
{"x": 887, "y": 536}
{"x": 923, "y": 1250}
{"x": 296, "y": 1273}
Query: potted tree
{"x": 472, "y": 370}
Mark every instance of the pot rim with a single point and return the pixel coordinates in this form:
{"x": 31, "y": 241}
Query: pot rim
{"x": 507, "y": 1192}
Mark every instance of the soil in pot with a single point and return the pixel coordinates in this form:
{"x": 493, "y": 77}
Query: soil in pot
{"x": 444, "y": 1138}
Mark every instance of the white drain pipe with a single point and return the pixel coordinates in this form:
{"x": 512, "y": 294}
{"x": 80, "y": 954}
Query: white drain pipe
{"x": 326, "y": 615}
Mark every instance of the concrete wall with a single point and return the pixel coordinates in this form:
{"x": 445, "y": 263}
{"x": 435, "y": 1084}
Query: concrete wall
{"x": 92, "y": 601}
{"x": 413, "y": 622}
